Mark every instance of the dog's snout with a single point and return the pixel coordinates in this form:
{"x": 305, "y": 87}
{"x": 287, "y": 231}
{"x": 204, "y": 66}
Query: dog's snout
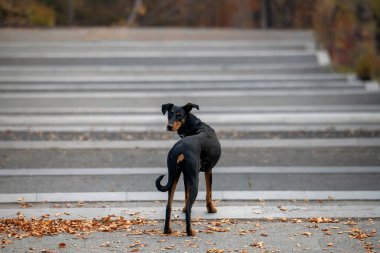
{"x": 169, "y": 127}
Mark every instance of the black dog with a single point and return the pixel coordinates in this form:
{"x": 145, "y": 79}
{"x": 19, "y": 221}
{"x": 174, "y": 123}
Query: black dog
{"x": 198, "y": 150}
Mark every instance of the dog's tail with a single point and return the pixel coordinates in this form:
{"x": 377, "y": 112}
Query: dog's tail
{"x": 172, "y": 171}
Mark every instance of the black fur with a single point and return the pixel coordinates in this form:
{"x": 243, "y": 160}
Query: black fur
{"x": 201, "y": 151}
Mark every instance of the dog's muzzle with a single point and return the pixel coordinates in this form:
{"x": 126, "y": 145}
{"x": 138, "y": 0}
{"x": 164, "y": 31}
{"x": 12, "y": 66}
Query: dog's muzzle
{"x": 169, "y": 127}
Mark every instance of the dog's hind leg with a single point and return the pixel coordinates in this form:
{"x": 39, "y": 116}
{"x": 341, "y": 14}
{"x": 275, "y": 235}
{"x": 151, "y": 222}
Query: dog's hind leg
{"x": 167, "y": 229}
{"x": 209, "y": 204}
{"x": 192, "y": 192}
{"x": 186, "y": 196}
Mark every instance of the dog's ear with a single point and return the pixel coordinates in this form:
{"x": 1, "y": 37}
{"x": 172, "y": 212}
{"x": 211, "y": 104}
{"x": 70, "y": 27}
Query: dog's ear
{"x": 190, "y": 106}
{"x": 166, "y": 107}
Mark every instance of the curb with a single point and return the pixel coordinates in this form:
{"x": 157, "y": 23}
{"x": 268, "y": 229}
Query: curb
{"x": 225, "y": 212}
{"x": 180, "y": 196}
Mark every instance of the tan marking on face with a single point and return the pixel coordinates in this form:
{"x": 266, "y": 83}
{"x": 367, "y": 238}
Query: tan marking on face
{"x": 180, "y": 158}
{"x": 177, "y": 124}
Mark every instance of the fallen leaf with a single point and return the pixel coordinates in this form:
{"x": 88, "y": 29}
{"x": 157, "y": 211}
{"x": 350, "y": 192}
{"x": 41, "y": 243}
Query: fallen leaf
{"x": 5, "y": 242}
{"x": 62, "y": 245}
{"x": 259, "y": 245}
{"x": 264, "y": 235}
{"x": 244, "y": 232}
{"x": 330, "y": 244}
{"x": 323, "y": 220}
{"x": 171, "y": 247}
{"x": 215, "y": 229}
{"x": 308, "y": 234}
{"x": 214, "y": 250}
{"x": 282, "y": 208}
{"x": 350, "y": 222}
{"x": 24, "y": 205}
{"x": 106, "y": 244}
{"x": 359, "y": 234}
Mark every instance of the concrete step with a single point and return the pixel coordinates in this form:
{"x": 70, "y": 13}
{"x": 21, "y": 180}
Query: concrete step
{"x": 121, "y": 35}
{"x": 147, "y": 54}
{"x": 14, "y": 135}
{"x": 182, "y": 86}
{"x": 193, "y": 95}
{"x": 170, "y": 78}
{"x": 153, "y": 144}
{"x": 241, "y": 99}
{"x": 143, "y": 199}
{"x": 158, "y": 121}
{"x": 222, "y": 109}
{"x": 227, "y": 212}
{"x": 175, "y": 70}
{"x": 104, "y": 157}
{"x": 215, "y": 68}
{"x": 225, "y": 179}
{"x": 175, "y": 60}
{"x": 178, "y": 45}
{"x": 238, "y": 128}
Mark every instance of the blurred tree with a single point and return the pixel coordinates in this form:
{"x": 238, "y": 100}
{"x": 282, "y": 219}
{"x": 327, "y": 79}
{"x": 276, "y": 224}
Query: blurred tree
{"x": 26, "y": 13}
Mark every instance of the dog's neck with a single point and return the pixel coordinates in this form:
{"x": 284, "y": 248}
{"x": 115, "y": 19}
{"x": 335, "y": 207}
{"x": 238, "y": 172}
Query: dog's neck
{"x": 190, "y": 126}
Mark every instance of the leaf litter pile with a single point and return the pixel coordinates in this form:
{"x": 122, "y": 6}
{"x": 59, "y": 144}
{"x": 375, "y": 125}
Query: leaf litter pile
{"x": 21, "y": 227}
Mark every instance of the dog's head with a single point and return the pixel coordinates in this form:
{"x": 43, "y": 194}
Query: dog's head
{"x": 177, "y": 115}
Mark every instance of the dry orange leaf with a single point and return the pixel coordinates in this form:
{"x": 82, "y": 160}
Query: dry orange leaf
{"x": 5, "y": 242}
{"x": 214, "y": 250}
{"x": 215, "y": 229}
{"x": 259, "y": 245}
{"x": 323, "y": 220}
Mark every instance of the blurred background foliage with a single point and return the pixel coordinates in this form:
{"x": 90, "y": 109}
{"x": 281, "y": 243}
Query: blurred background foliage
{"x": 349, "y": 29}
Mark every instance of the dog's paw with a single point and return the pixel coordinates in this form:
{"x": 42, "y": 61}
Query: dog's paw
{"x": 168, "y": 231}
{"x": 190, "y": 232}
{"x": 211, "y": 209}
